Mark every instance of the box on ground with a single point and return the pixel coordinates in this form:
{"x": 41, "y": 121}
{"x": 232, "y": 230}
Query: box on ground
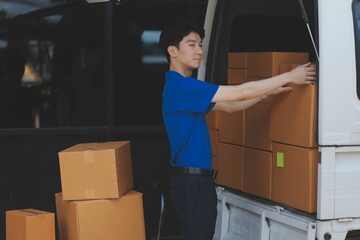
{"x": 257, "y": 172}
{"x": 214, "y": 139}
{"x": 30, "y": 224}
{"x": 294, "y": 116}
{"x": 257, "y": 126}
{"x": 294, "y": 176}
{"x": 231, "y": 128}
{"x": 212, "y": 119}
{"x": 236, "y": 76}
{"x": 237, "y": 60}
{"x": 230, "y": 166}
{"x": 110, "y": 219}
{"x": 96, "y": 170}
{"x": 266, "y": 64}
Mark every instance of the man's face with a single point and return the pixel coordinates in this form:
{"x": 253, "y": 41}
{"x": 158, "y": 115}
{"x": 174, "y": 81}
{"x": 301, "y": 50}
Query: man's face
{"x": 190, "y": 53}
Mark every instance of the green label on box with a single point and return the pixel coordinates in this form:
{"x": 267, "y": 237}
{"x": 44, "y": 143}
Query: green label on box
{"x": 280, "y": 159}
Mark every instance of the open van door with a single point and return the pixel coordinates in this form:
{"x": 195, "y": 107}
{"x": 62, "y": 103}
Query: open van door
{"x": 339, "y": 109}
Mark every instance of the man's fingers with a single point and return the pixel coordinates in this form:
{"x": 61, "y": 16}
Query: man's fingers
{"x": 304, "y": 74}
{"x": 306, "y": 64}
{"x": 311, "y": 69}
{"x": 282, "y": 89}
{"x": 311, "y": 78}
{"x": 285, "y": 89}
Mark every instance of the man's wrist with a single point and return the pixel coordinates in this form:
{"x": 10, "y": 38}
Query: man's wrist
{"x": 289, "y": 77}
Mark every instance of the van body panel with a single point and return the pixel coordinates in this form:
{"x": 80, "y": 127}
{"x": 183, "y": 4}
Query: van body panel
{"x": 338, "y": 181}
{"x": 339, "y": 106}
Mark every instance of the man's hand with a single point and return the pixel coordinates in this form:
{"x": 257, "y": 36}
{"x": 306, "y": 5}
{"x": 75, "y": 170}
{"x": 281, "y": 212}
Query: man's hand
{"x": 280, "y": 90}
{"x": 303, "y": 74}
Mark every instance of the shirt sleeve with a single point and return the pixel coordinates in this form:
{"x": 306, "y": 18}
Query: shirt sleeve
{"x": 193, "y": 95}
{"x": 211, "y": 105}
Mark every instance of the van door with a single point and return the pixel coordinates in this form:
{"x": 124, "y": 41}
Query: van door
{"x": 339, "y": 105}
{"x": 339, "y": 109}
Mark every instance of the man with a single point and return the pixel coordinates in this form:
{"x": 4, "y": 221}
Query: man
{"x": 185, "y": 102}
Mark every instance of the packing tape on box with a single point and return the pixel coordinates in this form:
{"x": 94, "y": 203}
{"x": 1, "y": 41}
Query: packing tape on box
{"x": 88, "y": 157}
{"x": 90, "y": 193}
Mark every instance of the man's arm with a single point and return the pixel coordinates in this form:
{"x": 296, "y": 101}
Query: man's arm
{"x": 234, "y": 106}
{"x": 250, "y": 90}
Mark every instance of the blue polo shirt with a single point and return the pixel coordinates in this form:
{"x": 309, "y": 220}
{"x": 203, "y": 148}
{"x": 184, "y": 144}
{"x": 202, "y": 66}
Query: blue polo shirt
{"x": 186, "y": 100}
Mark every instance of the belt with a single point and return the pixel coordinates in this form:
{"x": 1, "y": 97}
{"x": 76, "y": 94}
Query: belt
{"x": 195, "y": 171}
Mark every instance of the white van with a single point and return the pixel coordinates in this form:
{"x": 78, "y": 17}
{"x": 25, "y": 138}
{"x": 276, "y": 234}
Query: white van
{"x": 263, "y": 25}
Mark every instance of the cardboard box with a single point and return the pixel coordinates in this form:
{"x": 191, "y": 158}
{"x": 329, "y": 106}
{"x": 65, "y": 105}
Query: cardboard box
{"x": 257, "y": 126}
{"x": 215, "y": 163}
{"x": 230, "y": 166}
{"x": 257, "y": 172}
{"x": 214, "y": 138}
{"x": 237, "y": 60}
{"x": 213, "y": 119}
{"x": 96, "y": 170}
{"x": 236, "y": 76}
{"x": 110, "y": 219}
{"x": 294, "y": 176}
{"x": 294, "y": 116}
{"x": 266, "y": 64}
{"x": 30, "y": 224}
{"x": 231, "y": 128}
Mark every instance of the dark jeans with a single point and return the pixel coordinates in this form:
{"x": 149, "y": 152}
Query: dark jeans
{"x": 195, "y": 202}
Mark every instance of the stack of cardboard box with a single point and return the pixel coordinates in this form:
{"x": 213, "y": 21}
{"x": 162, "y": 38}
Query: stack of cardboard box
{"x": 269, "y": 150}
{"x": 96, "y": 200}
{"x": 295, "y": 151}
{"x": 30, "y": 224}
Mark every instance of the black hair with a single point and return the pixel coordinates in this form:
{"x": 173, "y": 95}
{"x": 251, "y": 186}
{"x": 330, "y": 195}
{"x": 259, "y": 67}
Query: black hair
{"x": 174, "y": 33}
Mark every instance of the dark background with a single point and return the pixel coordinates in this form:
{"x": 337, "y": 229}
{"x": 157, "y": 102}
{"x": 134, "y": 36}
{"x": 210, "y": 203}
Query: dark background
{"x": 95, "y": 87}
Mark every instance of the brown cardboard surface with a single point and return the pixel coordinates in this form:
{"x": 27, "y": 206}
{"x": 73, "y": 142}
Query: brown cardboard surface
{"x": 213, "y": 119}
{"x": 236, "y": 76}
{"x": 96, "y": 170}
{"x": 30, "y": 224}
{"x": 257, "y": 172}
{"x": 215, "y": 163}
{"x": 294, "y": 176}
{"x": 237, "y": 60}
{"x": 230, "y": 166}
{"x": 257, "y": 126}
{"x": 266, "y": 64}
{"x": 110, "y": 219}
{"x": 231, "y": 128}
{"x": 214, "y": 138}
{"x": 294, "y": 115}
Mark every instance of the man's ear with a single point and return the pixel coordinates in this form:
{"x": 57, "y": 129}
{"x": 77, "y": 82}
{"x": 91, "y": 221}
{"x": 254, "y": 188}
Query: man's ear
{"x": 172, "y": 50}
